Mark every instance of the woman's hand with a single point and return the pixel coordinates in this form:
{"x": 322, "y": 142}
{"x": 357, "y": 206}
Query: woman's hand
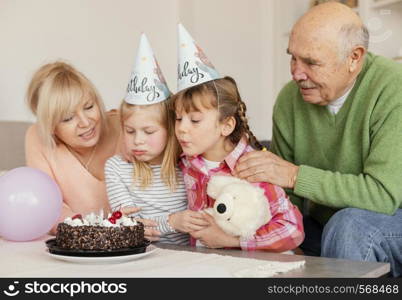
{"x": 264, "y": 166}
{"x": 213, "y": 236}
{"x": 187, "y": 220}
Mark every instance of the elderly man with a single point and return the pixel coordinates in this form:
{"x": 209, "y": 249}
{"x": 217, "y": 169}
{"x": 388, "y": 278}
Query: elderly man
{"x": 337, "y": 140}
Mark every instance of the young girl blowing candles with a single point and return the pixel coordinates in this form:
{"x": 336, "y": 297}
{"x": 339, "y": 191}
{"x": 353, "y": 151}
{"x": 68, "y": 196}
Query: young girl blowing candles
{"x": 212, "y": 129}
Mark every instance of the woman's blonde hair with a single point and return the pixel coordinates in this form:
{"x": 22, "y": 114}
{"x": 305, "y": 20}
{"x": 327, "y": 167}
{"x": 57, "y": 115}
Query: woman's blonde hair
{"x": 142, "y": 175}
{"x": 229, "y": 104}
{"x": 55, "y": 91}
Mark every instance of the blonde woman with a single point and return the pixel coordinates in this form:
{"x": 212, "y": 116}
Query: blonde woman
{"x": 72, "y": 138}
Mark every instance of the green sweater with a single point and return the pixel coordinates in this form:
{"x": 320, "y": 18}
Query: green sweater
{"x": 353, "y": 158}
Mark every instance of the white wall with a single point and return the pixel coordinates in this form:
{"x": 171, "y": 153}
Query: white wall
{"x": 246, "y": 39}
{"x": 385, "y": 26}
{"x": 286, "y": 14}
{"x": 237, "y": 36}
{"x": 100, "y": 38}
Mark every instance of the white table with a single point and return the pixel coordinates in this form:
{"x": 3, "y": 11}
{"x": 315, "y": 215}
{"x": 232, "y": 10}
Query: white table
{"x": 30, "y": 259}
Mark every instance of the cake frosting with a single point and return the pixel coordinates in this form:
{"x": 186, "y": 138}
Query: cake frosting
{"x": 94, "y": 220}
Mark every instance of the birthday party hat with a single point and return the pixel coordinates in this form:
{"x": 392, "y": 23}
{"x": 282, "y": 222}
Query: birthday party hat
{"x": 194, "y": 67}
{"x": 147, "y": 84}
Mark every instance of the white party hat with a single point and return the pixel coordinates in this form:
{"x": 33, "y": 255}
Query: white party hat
{"x": 147, "y": 84}
{"x": 194, "y": 67}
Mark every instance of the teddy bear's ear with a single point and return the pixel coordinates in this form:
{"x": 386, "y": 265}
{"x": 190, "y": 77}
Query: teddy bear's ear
{"x": 217, "y": 183}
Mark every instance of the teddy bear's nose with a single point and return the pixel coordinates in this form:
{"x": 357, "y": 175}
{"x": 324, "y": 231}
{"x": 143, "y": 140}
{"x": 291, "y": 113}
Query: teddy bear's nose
{"x": 221, "y": 208}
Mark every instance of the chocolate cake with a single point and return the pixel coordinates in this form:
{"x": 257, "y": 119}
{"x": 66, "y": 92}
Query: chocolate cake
{"x": 95, "y": 233}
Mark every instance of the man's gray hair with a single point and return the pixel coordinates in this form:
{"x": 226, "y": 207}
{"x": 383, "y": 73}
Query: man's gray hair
{"x": 352, "y": 35}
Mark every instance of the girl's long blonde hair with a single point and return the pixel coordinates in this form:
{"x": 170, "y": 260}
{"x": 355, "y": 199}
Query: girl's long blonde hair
{"x": 229, "y": 104}
{"x": 142, "y": 175}
{"x": 54, "y": 91}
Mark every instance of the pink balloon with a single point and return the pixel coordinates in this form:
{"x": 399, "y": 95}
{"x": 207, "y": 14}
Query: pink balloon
{"x": 30, "y": 204}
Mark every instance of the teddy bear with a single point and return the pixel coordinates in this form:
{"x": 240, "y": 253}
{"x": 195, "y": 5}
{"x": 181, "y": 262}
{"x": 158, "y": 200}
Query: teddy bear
{"x": 240, "y": 208}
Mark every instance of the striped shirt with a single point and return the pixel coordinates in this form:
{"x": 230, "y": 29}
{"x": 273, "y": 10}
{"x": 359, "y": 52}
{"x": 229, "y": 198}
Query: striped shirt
{"x": 157, "y": 202}
{"x": 283, "y": 232}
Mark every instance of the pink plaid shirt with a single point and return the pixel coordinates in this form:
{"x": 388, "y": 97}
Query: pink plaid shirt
{"x": 283, "y": 232}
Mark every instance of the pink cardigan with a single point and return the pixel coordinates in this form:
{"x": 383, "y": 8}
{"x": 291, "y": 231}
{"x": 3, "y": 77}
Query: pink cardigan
{"x": 82, "y": 192}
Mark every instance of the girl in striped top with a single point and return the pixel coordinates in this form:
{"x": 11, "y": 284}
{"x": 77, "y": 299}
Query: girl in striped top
{"x": 151, "y": 179}
{"x": 148, "y": 177}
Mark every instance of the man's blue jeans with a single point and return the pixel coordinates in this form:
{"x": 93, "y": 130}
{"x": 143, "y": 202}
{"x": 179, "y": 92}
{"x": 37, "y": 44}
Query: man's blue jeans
{"x": 363, "y": 235}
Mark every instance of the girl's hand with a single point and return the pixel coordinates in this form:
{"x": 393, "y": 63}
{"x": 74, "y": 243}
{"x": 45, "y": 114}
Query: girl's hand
{"x": 214, "y": 237}
{"x": 187, "y": 220}
{"x": 149, "y": 225}
{"x": 150, "y": 232}
{"x": 128, "y": 210}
